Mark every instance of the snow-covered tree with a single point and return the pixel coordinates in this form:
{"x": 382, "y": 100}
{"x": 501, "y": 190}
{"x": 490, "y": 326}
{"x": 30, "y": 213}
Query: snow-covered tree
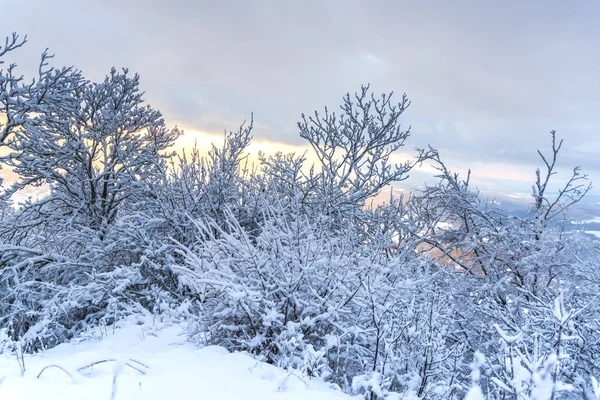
{"x": 93, "y": 155}
{"x": 355, "y": 149}
{"x": 96, "y": 149}
{"x": 22, "y": 101}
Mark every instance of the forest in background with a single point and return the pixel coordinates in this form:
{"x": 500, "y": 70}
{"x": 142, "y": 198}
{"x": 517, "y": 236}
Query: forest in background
{"x": 439, "y": 294}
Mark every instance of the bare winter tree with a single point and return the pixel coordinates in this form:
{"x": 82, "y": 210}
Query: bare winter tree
{"x": 96, "y": 148}
{"x": 94, "y": 154}
{"x": 576, "y": 187}
{"x": 457, "y": 217}
{"x": 355, "y": 148}
{"x": 43, "y": 97}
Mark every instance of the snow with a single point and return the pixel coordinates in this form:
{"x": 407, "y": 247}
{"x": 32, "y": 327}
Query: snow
{"x": 475, "y": 393}
{"x": 519, "y": 195}
{"x": 148, "y": 363}
{"x": 595, "y": 233}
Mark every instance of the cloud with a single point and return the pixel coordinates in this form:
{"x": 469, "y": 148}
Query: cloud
{"x": 488, "y": 80}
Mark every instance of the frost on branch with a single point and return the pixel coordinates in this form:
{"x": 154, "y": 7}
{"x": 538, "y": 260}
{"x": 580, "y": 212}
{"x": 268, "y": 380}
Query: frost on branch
{"x": 94, "y": 154}
{"x": 355, "y": 148}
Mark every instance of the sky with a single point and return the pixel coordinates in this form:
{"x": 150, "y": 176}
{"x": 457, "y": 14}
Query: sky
{"x": 488, "y": 79}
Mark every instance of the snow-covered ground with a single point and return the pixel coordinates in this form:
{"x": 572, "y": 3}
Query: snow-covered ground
{"x": 172, "y": 369}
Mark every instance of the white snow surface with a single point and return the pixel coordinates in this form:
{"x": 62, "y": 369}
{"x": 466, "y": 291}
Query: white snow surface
{"x": 595, "y": 233}
{"x": 176, "y": 369}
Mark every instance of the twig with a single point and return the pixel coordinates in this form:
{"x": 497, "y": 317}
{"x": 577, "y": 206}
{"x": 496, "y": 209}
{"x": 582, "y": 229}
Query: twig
{"x": 112, "y": 360}
{"x": 54, "y": 366}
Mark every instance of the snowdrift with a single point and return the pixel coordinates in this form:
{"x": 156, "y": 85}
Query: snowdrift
{"x": 143, "y": 362}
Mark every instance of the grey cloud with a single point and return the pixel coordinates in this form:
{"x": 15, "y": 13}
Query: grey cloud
{"x": 488, "y": 79}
